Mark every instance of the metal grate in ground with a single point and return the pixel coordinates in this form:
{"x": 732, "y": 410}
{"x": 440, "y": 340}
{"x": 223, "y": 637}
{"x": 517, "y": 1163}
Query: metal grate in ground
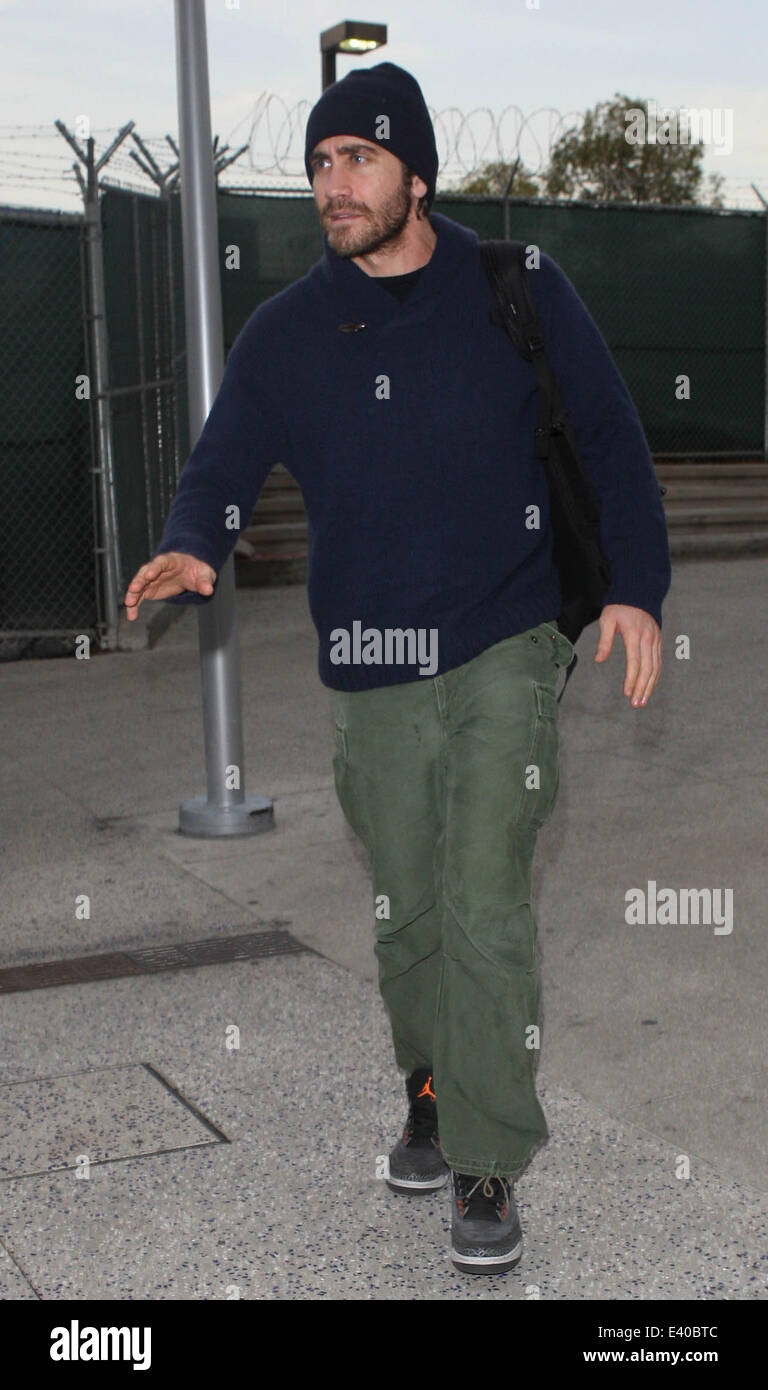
{"x": 150, "y": 960}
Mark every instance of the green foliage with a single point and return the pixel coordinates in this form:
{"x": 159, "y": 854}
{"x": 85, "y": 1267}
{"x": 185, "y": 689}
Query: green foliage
{"x": 493, "y": 179}
{"x": 599, "y": 164}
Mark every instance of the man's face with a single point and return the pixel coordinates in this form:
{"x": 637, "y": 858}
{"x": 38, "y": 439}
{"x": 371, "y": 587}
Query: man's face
{"x": 362, "y": 192}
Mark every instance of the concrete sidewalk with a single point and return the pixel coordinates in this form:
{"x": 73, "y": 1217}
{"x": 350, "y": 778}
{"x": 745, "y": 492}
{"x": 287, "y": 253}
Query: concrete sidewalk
{"x": 218, "y": 1171}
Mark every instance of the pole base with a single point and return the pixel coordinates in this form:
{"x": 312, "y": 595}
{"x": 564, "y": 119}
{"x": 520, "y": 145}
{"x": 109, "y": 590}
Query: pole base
{"x": 251, "y": 816}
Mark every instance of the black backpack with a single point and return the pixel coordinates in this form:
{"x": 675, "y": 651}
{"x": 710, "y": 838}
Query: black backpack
{"x": 574, "y": 504}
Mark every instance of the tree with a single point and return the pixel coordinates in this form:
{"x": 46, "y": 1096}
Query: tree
{"x": 493, "y": 179}
{"x": 600, "y": 163}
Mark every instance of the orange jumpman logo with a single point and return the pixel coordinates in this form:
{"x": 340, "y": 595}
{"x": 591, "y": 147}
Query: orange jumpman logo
{"x": 426, "y": 1090}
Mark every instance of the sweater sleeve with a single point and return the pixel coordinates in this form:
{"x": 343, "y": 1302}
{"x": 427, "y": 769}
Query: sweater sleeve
{"x": 242, "y": 439}
{"x": 611, "y": 442}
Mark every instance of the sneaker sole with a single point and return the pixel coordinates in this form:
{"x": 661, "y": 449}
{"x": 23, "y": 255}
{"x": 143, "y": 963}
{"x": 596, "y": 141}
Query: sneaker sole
{"x": 487, "y": 1264}
{"x": 414, "y": 1185}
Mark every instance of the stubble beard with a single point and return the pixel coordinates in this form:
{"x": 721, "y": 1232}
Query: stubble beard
{"x": 375, "y": 230}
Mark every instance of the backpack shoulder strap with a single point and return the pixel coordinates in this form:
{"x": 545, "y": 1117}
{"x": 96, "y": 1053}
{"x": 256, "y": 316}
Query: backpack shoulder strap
{"x": 504, "y": 264}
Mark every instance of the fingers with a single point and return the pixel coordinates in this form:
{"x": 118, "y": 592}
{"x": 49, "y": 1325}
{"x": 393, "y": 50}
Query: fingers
{"x": 204, "y": 579}
{"x": 642, "y": 642}
{"x": 655, "y": 669}
{"x": 643, "y": 664}
{"x": 632, "y": 644}
{"x": 143, "y": 578}
{"x": 607, "y": 631}
{"x": 165, "y": 576}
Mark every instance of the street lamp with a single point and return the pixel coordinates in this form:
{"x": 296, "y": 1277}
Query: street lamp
{"x": 351, "y": 36}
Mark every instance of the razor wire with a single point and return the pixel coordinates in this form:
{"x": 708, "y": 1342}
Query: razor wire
{"x": 265, "y": 150}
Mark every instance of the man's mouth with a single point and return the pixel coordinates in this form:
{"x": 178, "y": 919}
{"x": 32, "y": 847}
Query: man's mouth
{"x": 343, "y": 216}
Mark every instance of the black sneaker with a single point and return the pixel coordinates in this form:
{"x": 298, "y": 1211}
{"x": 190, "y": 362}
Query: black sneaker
{"x": 416, "y": 1163}
{"x": 486, "y": 1237}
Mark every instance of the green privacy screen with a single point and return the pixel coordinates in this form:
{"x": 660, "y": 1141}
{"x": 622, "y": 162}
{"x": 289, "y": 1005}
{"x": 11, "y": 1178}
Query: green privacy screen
{"x": 675, "y": 292}
{"x": 47, "y": 564}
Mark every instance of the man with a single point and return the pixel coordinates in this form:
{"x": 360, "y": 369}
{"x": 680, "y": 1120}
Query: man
{"x": 407, "y": 417}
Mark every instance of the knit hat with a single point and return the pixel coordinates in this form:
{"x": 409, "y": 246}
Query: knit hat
{"x": 355, "y": 106}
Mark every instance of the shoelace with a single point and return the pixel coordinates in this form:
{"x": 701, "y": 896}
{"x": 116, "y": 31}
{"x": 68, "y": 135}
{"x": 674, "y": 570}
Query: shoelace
{"x": 488, "y": 1191}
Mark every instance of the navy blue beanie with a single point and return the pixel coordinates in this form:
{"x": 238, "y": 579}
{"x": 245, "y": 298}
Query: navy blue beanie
{"x": 355, "y": 105}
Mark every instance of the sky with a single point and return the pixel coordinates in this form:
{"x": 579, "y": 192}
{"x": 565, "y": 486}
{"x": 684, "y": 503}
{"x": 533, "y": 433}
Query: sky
{"x": 114, "y": 61}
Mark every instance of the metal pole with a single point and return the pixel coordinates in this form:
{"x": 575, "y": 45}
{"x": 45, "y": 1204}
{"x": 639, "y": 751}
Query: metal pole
{"x": 507, "y": 190}
{"x": 765, "y": 342}
{"x": 175, "y": 458}
{"x": 328, "y": 67}
{"x": 109, "y": 549}
{"x": 137, "y": 280}
{"x": 227, "y": 810}
{"x": 765, "y": 335}
{"x": 111, "y": 566}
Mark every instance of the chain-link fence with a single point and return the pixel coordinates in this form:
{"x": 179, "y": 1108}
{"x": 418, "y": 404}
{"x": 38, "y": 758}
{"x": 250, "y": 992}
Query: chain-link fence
{"x": 48, "y": 582}
{"x": 144, "y": 285}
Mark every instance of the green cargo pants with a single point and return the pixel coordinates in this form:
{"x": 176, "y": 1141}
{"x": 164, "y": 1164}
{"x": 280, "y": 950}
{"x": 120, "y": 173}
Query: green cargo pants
{"x": 446, "y": 780}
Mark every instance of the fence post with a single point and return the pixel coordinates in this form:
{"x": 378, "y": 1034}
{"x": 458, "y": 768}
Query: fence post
{"x": 765, "y": 345}
{"x": 507, "y": 192}
{"x": 109, "y": 549}
{"x": 110, "y": 538}
{"x": 227, "y": 810}
{"x": 765, "y": 332}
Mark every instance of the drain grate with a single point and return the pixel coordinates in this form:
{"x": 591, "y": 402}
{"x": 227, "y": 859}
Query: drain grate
{"x": 114, "y": 965}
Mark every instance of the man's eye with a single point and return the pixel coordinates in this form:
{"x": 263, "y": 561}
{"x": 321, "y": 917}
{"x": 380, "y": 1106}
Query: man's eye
{"x": 320, "y": 161}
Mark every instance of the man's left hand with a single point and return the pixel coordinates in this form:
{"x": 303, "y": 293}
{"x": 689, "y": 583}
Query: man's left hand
{"x": 642, "y": 641}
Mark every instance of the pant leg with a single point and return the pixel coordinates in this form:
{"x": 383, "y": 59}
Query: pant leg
{"x": 432, "y": 776}
{"x": 387, "y": 768}
{"x": 500, "y": 737}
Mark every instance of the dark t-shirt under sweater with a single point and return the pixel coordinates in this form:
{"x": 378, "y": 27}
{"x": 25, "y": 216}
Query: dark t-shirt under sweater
{"x": 399, "y": 285}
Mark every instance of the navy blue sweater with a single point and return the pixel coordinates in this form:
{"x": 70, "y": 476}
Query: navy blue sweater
{"x": 412, "y": 442}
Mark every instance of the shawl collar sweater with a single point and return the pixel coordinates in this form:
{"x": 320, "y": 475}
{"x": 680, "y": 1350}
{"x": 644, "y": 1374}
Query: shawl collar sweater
{"x": 412, "y": 442}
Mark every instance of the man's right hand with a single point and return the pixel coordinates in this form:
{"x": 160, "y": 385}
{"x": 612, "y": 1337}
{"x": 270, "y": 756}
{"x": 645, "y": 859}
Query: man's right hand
{"x": 168, "y": 575}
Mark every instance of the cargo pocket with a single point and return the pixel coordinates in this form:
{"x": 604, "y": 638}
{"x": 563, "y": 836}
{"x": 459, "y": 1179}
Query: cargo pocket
{"x": 542, "y": 764}
{"x": 562, "y": 646}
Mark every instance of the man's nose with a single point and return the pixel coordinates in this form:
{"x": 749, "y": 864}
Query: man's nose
{"x": 338, "y": 185}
